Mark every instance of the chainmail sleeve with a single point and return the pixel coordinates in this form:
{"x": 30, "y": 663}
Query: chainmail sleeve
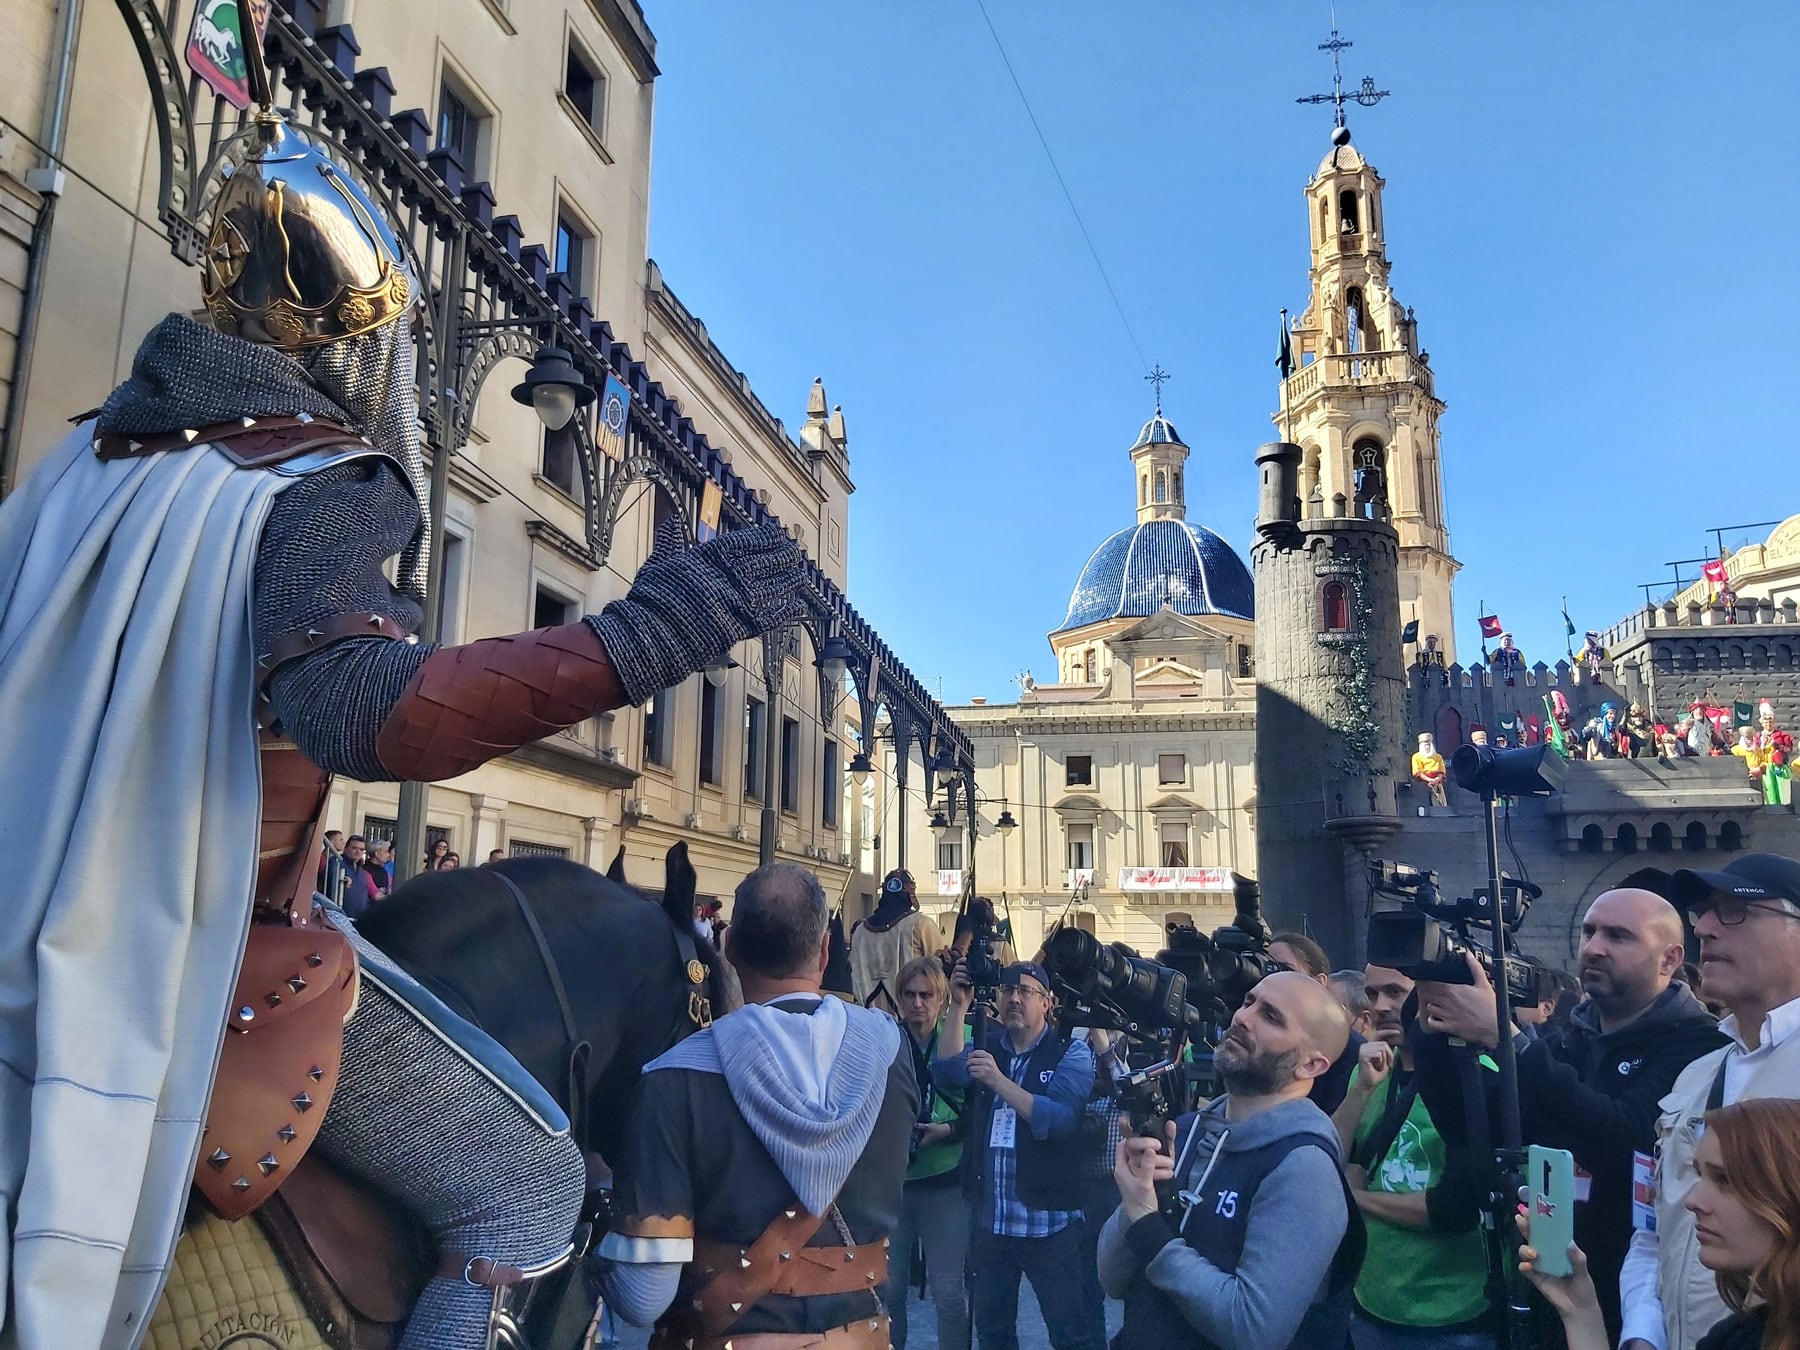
{"x": 321, "y": 557}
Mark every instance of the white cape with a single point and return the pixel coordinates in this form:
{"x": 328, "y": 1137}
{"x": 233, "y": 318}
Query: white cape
{"x": 129, "y": 794}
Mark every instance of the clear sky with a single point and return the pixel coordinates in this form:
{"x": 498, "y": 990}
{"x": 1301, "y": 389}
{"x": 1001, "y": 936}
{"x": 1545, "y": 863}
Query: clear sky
{"x": 1592, "y": 208}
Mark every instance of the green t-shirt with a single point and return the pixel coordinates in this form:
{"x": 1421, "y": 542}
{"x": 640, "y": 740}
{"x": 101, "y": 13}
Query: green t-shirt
{"x": 1412, "y": 1276}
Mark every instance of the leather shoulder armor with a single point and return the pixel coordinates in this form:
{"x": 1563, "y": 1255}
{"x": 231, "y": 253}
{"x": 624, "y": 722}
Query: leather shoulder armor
{"x": 253, "y": 442}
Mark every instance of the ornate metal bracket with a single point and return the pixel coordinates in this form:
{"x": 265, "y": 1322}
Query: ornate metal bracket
{"x": 177, "y": 187}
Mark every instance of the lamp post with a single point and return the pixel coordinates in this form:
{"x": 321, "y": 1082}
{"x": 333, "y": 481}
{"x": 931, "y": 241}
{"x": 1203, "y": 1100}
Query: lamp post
{"x": 554, "y": 389}
{"x": 774, "y": 647}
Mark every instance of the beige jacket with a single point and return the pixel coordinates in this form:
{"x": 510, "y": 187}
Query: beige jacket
{"x": 876, "y": 958}
{"x": 1688, "y": 1290}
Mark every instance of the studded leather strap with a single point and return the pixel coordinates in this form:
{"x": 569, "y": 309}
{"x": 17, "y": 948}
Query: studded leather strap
{"x": 468, "y": 704}
{"x": 291, "y": 646}
{"x": 254, "y": 442}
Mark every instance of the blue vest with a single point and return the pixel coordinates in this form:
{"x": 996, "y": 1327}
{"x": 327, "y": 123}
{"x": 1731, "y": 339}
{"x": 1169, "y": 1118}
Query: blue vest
{"x": 1216, "y": 1227}
{"x": 1048, "y": 1175}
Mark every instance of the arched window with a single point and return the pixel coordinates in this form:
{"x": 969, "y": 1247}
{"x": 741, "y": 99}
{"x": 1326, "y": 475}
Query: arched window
{"x": 1243, "y": 662}
{"x": 1349, "y": 221}
{"x": 1334, "y": 607}
{"x": 1731, "y": 836}
{"x": 1144, "y": 490}
{"x": 1662, "y": 838}
{"x": 1162, "y": 486}
{"x": 1176, "y": 495}
{"x": 1324, "y": 219}
{"x": 1627, "y": 841}
{"x": 1593, "y": 839}
{"x": 1090, "y": 665}
{"x": 1371, "y": 474}
{"x": 1695, "y": 840}
{"x": 1309, "y": 474}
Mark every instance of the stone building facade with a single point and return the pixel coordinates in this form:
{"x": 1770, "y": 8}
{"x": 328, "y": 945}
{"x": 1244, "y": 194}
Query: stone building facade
{"x": 540, "y": 116}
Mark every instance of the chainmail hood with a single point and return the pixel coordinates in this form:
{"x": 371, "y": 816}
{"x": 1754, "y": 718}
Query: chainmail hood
{"x": 187, "y": 375}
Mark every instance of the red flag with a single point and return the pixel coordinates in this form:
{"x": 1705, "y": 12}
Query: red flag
{"x": 1490, "y": 625}
{"x": 1714, "y": 572}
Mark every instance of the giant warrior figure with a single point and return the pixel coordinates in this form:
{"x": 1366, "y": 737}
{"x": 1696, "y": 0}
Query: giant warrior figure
{"x": 196, "y": 631}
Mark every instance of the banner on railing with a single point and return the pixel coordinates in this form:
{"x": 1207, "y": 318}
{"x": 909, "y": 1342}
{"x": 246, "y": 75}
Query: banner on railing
{"x": 215, "y": 50}
{"x": 1080, "y": 878}
{"x": 1175, "y": 879}
{"x": 615, "y": 404}
{"x": 950, "y": 881}
{"x": 711, "y": 500}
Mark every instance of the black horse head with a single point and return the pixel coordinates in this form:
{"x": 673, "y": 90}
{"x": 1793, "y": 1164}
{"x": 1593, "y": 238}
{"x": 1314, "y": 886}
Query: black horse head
{"x": 621, "y": 962}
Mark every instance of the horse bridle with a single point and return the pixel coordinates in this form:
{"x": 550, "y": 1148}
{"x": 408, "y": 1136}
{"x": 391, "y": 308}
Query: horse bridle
{"x": 576, "y": 1051}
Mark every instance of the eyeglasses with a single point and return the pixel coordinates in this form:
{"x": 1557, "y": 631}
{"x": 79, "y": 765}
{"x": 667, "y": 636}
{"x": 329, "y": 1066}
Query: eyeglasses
{"x": 1731, "y": 911}
{"x": 1020, "y": 990}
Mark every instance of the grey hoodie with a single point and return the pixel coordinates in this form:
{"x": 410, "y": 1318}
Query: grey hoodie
{"x": 1296, "y": 1221}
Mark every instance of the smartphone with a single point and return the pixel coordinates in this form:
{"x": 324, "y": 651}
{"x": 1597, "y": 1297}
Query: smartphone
{"x": 1550, "y": 1187}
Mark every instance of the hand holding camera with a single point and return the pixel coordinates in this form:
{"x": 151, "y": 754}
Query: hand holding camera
{"x": 1462, "y": 1011}
{"x": 1140, "y": 1164}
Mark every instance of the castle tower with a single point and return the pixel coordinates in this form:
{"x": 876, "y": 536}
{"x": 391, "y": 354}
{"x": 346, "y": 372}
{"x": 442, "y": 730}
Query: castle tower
{"x": 1330, "y": 700}
{"x": 1361, "y": 403}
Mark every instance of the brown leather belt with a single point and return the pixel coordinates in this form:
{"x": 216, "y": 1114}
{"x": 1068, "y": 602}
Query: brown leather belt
{"x": 867, "y": 1334}
{"x": 804, "y": 1272}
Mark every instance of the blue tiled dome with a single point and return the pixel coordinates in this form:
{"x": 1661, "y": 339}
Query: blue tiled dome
{"x": 1139, "y": 570}
{"x": 1159, "y": 430}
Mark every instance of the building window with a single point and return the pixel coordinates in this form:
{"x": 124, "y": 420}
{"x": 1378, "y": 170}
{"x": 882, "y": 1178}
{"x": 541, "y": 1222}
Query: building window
{"x": 658, "y": 726}
{"x": 525, "y": 848}
{"x": 574, "y": 251}
{"x": 379, "y": 829}
{"x": 560, "y": 465}
{"x": 550, "y": 610}
{"x": 1371, "y": 477}
{"x": 1347, "y": 214}
{"x": 828, "y": 799}
{"x": 450, "y": 602}
{"x": 1171, "y": 770}
{"x": 712, "y": 726}
{"x": 1334, "y": 606}
{"x": 461, "y": 127}
{"x": 1080, "y": 771}
{"x": 790, "y": 765}
{"x": 756, "y": 715}
{"x": 1081, "y": 846}
{"x": 1174, "y": 837}
{"x": 1243, "y": 662}
{"x": 1162, "y": 486}
{"x": 584, "y": 84}
{"x": 1090, "y": 666}
{"x": 949, "y": 854}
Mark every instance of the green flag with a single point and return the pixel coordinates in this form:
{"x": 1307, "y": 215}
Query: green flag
{"x": 1568, "y": 624}
{"x": 1284, "y": 353}
{"x": 1553, "y": 733}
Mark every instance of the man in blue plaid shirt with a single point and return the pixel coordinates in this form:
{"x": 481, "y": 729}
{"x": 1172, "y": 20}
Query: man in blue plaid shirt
{"x": 1022, "y": 1160}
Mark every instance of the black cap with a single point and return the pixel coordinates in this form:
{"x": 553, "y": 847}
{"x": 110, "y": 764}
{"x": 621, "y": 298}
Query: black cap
{"x": 1013, "y": 973}
{"x": 1754, "y": 876}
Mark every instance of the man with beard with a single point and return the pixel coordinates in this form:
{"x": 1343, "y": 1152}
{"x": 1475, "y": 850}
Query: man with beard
{"x": 1591, "y": 1087}
{"x": 1265, "y": 1243}
{"x": 1425, "y": 1282}
{"x": 1022, "y": 1164}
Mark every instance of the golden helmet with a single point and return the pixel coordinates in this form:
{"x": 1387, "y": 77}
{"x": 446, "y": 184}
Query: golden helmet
{"x": 297, "y": 254}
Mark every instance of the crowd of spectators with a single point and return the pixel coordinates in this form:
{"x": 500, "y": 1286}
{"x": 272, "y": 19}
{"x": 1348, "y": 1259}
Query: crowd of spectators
{"x": 1332, "y": 1194}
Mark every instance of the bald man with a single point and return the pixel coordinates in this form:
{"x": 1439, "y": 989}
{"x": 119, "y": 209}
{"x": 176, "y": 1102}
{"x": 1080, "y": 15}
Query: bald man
{"x": 1266, "y": 1242}
{"x": 1593, "y": 1086}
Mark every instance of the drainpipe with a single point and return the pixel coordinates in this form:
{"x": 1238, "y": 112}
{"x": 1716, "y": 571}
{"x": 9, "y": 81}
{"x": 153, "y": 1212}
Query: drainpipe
{"x": 47, "y": 181}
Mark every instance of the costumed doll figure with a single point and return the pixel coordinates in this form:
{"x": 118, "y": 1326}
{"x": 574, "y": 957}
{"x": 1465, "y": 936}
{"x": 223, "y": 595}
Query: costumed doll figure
{"x": 1699, "y": 731}
{"x": 1765, "y": 724}
{"x": 1591, "y": 655}
{"x": 1668, "y": 742}
{"x": 206, "y": 557}
{"x": 1428, "y": 768}
{"x": 1753, "y": 756}
{"x": 1601, "y": 734}
{"x": 1433, "y": 659}
{"x": 1508, "y": 661}
{"x": 1557, "y": 729}
{"x": 1778, "y": 771}
{"x": 1478, "y": 734}
{"x": 1639, "y": 732}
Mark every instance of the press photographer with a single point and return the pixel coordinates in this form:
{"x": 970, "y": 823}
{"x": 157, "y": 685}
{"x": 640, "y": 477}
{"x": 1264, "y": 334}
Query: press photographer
{"x": 1266, "y": 1242}
{"x": 1021, "y": 1162}
{"x": 1591, "y": 1087}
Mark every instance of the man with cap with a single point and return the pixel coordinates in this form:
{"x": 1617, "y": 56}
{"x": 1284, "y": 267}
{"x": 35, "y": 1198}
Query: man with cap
{"x": 1022, "y": 1162}
{"x": 1747, "y": 919}
{"x": 885, "y": 941}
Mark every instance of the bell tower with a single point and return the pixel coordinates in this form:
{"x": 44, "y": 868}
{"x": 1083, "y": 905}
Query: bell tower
{"x": 1361, "y": 402}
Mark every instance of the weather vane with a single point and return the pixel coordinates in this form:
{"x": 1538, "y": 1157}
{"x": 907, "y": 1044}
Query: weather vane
{"x": 1158, "y": 377}
{"x": 1368, "y": 95}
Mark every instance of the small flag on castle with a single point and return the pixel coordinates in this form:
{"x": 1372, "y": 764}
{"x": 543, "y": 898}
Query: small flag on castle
{"x": 1410, "y": 633}
{"x": 615, "y": 406}
{"x": 1284, "y": 351}
{"x": 711, "y": 499}
{"x": 1490, "y": 625}
{"x": 1715, "y": 575}
{"x": 1568, "y": 623}
{"x": 1742, "y": 714}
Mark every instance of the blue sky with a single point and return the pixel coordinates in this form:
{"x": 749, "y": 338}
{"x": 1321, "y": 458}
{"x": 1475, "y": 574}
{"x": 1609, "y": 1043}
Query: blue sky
{"x": 1587, "y": 206}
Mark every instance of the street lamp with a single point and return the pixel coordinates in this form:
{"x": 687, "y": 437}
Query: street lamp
{"x": 834, "y": 660}
{"x": 944, "y": 766}
{"x": 553, "y": 388}
{"x": 860, "y": 768}
{"x": 1005, "y": 823}
{"x": 939, "y": 821}
{"x": 718, "y": 670}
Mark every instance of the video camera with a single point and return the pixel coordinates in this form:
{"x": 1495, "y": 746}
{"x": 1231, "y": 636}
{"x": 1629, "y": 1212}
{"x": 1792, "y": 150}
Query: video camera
{"x": 1409, "y": 937}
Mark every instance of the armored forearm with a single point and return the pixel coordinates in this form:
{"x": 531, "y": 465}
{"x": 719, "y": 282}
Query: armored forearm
{"x": 466, "y": 705}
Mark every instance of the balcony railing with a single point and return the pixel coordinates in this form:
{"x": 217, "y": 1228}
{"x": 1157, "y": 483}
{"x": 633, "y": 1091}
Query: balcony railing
{"x": 1357, "y": 368}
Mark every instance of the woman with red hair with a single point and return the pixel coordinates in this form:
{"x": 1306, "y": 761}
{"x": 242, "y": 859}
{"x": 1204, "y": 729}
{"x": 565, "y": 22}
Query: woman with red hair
{"x": 1746, "y": 1207}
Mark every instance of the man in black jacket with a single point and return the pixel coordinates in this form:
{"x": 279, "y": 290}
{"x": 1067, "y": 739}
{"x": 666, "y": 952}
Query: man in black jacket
{"x": 1593, "y": 1086}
